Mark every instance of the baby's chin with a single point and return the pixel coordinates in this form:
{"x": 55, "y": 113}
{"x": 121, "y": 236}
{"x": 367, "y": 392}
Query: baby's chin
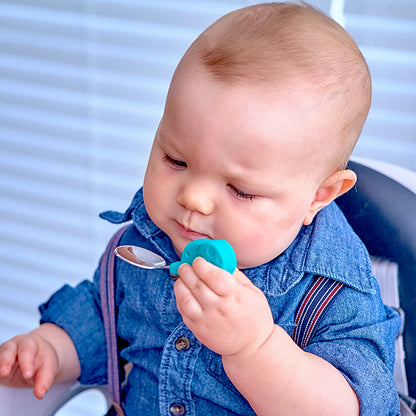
{"x": 244, "y": 260}
{"x": 178, "y": 245}
{"x": 251, "y": 261}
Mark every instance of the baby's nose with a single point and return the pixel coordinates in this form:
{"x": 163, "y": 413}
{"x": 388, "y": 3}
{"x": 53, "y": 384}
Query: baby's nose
{"x": 197, "y": 196}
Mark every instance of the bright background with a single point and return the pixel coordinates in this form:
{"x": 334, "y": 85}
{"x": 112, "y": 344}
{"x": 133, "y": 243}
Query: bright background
{"x": 82, "y": 88}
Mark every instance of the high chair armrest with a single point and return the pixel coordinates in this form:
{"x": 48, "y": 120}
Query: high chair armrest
{"x": 16, "y": 402}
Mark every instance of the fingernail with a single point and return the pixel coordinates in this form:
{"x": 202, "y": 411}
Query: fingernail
{"x": 199, "y": 258}
{"x": 40, "y": 393}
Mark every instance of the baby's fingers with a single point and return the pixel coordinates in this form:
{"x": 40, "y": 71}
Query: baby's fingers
{"x": 37, "y": 362}
{"x": 28, "y": 361}
{"x": 8, "y": 355}
{"x": 27, "y": 352}
{"x": 218, "y": 280}
{"x": 44, "y": 378}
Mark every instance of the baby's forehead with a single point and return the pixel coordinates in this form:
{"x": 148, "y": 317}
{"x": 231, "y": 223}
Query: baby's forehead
{"x": 316, "y": 67}
{"x": 322, "y": 107}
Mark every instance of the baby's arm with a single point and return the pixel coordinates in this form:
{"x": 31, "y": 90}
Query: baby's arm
{"x": 38, "y": 359}
{"x": 232, "y": 317}
{"x": 280, "y": 378}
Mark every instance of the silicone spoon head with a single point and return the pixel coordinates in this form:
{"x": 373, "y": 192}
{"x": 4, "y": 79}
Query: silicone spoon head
{"x": 218, "y": 252}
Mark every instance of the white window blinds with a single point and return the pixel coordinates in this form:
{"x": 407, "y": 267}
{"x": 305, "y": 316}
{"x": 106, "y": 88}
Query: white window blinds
{"x": 386, "y": 32}
{"x": 82, "y": 87}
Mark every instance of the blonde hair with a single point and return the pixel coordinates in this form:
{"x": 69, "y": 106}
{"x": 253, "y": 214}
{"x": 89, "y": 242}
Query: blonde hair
{"x": 286, "y": 42}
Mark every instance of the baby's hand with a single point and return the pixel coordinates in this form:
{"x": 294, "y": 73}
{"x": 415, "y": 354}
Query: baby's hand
{"x": 28, "y": 361}
{"x": 227, "y": 313}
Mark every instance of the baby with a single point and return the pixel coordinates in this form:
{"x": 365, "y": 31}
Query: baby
{"x": 261, "y": 117}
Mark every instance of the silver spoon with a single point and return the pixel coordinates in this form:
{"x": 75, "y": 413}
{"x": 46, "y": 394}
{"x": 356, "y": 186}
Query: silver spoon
{"x": 141, "y": 257}
{"x": 218, "y": 252}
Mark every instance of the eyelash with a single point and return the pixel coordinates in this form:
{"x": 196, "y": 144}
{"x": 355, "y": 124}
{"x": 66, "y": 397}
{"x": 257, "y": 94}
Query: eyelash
{"x": 238, "y": 193}
{"x": 174, "y": 162}
{"x": 241, "y": 194}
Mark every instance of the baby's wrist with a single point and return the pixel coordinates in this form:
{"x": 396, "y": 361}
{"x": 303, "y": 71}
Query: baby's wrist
{"x": 251, "y": 351}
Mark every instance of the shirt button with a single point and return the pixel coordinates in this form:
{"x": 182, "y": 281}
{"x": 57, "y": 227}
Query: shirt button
{"x": 182, "y": 344}
{"x": 177, "y": 409}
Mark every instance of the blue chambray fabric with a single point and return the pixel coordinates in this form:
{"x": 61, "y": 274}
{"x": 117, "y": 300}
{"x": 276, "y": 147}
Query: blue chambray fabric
{"x": 356, "y": 334}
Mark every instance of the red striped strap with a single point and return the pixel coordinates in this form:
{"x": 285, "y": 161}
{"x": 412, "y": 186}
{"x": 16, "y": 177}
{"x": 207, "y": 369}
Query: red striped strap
{"x": 313, "y": 307}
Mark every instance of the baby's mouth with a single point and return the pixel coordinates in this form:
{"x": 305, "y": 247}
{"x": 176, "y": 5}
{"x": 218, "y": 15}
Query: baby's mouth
{"x": 189, "y": 233}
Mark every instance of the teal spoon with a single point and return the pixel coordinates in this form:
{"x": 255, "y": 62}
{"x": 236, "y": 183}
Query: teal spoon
{"x": 218, "y": 252}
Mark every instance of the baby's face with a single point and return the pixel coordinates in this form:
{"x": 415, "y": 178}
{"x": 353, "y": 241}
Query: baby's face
{"x": 227, "y": 163}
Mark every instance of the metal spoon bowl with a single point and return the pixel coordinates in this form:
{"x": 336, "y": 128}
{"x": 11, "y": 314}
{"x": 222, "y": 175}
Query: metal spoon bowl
{"x": 141, "y": 257}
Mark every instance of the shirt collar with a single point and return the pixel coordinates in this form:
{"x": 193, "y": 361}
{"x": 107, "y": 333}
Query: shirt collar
{"x": 136, "y": 212}
{"x": 328, "y": 247}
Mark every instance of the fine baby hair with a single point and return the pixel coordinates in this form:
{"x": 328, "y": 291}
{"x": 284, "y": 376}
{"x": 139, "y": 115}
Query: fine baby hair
{"x": 294, "y": 46}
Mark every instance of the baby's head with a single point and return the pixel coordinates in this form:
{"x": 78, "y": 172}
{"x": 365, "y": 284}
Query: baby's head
{"x": 287, "y": 48}
{"x": 261, "y": 117}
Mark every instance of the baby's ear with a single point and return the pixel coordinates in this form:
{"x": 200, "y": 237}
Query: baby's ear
{"x": 335, "y": 185}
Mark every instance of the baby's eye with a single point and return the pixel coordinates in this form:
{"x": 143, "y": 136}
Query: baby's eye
{"x": 241, "y": 194}
{"x": 174, "y": 162}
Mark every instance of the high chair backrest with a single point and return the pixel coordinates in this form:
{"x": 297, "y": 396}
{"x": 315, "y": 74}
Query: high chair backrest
{"x": 382, "y": 212}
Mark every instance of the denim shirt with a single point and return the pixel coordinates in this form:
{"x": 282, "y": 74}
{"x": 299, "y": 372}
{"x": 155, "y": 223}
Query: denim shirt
{"x": 174, "y": 373}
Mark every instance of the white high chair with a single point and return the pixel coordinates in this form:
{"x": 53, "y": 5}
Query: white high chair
{"x": 22, "y": 402}
{"x": 382, "y": 210}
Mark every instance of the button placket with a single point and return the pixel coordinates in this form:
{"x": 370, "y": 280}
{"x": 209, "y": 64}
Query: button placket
{"x": 179, "y": 358}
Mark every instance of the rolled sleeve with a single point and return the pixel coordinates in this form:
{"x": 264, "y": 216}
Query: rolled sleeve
{"x": 78, "y": 312}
